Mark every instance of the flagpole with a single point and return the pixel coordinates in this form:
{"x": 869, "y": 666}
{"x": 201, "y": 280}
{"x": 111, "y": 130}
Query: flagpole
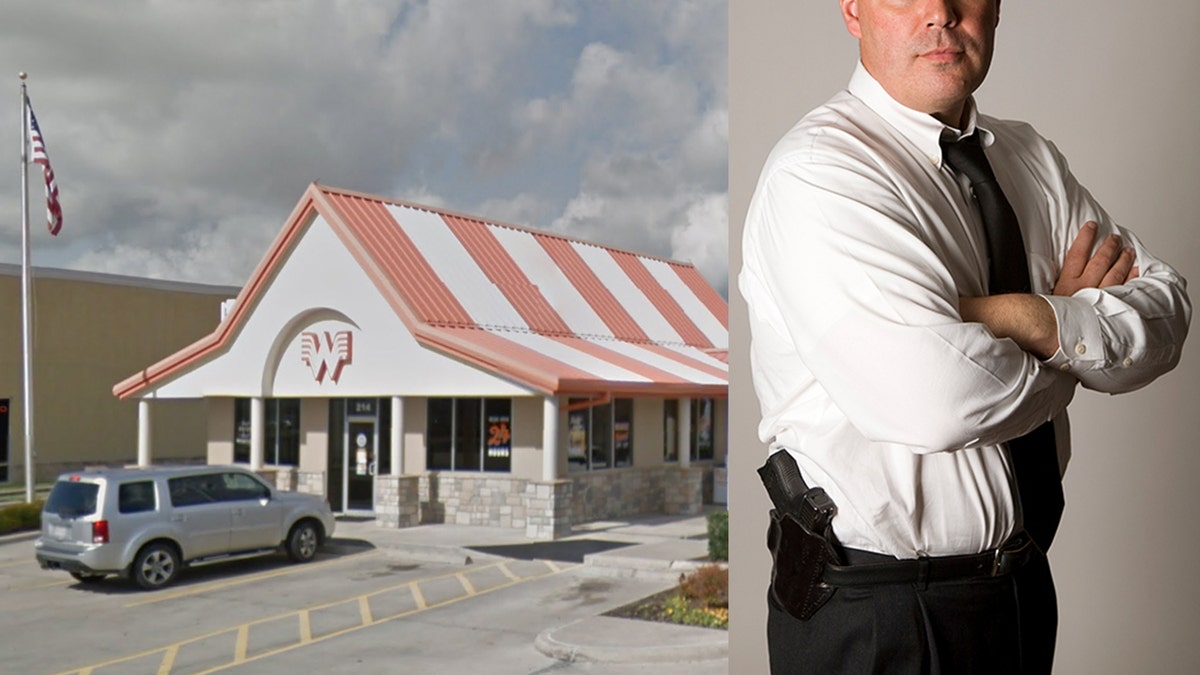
{"x": 26, "y": 271}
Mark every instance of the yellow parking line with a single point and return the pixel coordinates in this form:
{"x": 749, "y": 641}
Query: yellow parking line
{"x": 551, "y": 564}
{"x": 168, "y": 660}
{"x": 364, "y": 610}
{"x": 228, "y": 583}
{"x": 240, "y": 655}
{"x": 46, "y": 584}
{"x": 418, "y": 597}
{"x": 507, "y": 572}
{"x": 466, "y": 583}
{"x": 243, "y": 638}
{"x": 327, "y": 636}
{"x": 305, "y": 627}
{"x": 16, "y": 563}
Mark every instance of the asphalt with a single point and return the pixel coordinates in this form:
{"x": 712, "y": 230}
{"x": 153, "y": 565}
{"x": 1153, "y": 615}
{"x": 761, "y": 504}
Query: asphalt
{"x": 652, "y": 548}
{"x": 656, "y": 548}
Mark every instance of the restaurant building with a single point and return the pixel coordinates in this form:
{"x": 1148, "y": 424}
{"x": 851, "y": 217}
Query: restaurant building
{"x": 424, "y": 366}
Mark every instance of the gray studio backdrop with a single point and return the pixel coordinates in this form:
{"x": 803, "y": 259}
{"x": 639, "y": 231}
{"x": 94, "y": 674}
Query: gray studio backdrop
{"x": 1115, "y": 86}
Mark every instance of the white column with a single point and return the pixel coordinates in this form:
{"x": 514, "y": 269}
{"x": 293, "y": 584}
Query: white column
{"x": 144, "y": 457}
{"x": 258, "y": 423}
{"x": 685, "y": 432}
{"x": 550, "y": 438}
{"x": 397, "y": 436}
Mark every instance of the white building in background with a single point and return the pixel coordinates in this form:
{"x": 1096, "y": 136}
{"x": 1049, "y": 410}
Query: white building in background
{"x": 426, "y": 366}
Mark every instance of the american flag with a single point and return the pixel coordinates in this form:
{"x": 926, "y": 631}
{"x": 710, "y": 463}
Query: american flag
{"x": 37, "y": 148}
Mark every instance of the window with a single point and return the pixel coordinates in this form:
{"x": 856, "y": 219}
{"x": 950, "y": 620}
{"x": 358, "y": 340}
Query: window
{"x": 439, "y": 434}
{"x": 600, "y": 436}
{"x": 135, "y": 497}
{"x": 239, "y": 487}
{"x": 623, "y": 432}
{"x": 468, "y": 434}
{"x": 671, "y": 430}
{"x": 700, "y": 438}
{"x": 281, "y": 439}
{"x": 72, "y": 499}
{"x": 192, "y": 490}
{"x": 702, "y": 429}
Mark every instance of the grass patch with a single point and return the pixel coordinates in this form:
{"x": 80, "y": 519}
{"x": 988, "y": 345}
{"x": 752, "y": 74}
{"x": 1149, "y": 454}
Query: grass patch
{"x": 700, "y": 599}
{"x": 20, "y": 517}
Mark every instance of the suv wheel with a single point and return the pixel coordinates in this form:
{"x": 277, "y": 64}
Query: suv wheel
{"x": 303, "y": 541}
{"x": 155, "y": 566}
{"x": 85, "y": 578}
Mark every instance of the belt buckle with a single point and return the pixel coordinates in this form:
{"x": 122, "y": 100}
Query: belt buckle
{"x": 1008, "y": 552}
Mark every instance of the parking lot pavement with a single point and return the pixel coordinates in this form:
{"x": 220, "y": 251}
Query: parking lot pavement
{"x": 442, "y": 595}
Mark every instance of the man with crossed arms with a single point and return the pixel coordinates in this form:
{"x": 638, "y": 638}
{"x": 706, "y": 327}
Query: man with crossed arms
{"x": 897, "y": 379}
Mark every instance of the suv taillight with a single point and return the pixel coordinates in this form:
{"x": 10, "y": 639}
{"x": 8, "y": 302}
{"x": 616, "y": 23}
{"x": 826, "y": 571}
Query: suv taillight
{"x": 100, "y": 532}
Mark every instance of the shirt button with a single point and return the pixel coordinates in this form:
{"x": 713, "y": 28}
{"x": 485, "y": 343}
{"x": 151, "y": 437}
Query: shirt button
{"x": 1081, "y": 349}
{"x": 1127, "y": 362}
{"x": 1065, "y": 366}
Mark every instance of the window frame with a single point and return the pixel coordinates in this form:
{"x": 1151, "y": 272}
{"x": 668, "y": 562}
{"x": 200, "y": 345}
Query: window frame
{"x": 460, "y": 424}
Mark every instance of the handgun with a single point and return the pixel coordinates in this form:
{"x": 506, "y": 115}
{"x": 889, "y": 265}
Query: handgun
{"x": 811, "y": 507}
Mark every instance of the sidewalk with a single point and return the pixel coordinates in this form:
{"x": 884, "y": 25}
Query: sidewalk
{"x": 657, "y": 548}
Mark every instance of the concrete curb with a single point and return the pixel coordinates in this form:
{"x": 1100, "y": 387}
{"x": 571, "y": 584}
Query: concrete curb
{"x": 632, "y": 567}
{"x": 664, "y": 643}
{"x": 20, "y": 536}
{"x": 430, "y": 553}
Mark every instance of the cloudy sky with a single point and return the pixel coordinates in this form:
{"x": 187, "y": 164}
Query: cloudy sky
{"x": 183, "y": 132}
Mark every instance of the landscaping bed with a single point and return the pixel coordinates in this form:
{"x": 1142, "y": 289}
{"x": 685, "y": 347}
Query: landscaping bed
{"x": 700, "y": 599}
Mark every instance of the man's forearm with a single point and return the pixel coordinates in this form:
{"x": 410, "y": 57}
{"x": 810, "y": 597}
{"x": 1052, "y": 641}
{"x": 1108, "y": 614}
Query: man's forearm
{"x": 1025, "y": 318}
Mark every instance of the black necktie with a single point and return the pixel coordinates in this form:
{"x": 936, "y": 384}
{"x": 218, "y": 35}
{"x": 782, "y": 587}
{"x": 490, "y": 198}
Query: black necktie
{"x": 1034, "y": 457}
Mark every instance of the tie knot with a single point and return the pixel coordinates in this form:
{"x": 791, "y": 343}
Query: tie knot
{"x": 966, "y": 156}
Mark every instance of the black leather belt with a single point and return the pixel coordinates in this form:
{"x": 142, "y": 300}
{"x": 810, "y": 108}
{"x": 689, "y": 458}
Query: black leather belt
{"x": 1015, "y": 552}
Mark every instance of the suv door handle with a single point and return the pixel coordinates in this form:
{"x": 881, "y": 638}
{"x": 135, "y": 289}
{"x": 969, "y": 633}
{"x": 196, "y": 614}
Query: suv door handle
{"x": 178, "y": 518}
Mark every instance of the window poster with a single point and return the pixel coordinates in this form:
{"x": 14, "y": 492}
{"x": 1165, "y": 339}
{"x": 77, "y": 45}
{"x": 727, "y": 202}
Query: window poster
{"x": 499, "y": 435}
{"x": 621, "y": 435}
{"x": 577, "y": 436}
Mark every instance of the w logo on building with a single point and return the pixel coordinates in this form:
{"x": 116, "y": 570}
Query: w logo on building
{"x": 326, "y": 357}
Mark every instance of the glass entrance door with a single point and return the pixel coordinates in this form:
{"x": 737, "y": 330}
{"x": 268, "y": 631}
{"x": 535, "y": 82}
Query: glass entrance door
{"x": 362, "y": 452}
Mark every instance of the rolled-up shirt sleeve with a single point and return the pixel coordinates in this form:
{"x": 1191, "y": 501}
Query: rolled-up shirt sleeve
{"x": 1118, "y": 338}
{"x": 837, "y": 269}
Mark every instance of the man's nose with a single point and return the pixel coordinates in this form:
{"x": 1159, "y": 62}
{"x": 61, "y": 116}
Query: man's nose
{"x": 940, "y": 13}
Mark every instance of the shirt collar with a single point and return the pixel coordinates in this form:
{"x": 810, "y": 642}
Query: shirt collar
{"x": 922, "y": 129}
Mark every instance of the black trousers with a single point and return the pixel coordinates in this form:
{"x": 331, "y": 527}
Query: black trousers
{"x": 1001, "y": 625}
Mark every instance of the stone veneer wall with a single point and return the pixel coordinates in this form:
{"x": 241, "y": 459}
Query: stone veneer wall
{"x": 549, "y": 507}
{"x": 310, "y": 482}
{"x": 397, "y": 502}
{"x": 462, "y": 498}
{"x": 282, "y": 477}
{"x": 618, "y": 493}
{"x": 547, "y": 510}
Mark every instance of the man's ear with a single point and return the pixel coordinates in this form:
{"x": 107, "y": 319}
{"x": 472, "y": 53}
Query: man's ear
{"x": 850, "y": 16}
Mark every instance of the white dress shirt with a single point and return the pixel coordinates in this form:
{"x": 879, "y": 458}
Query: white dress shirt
{"x": 858, "y": 243}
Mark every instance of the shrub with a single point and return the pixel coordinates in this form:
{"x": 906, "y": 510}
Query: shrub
{"x": 20, "y": 516}
{"x": 718, "y": 535}
{"x": 708, "y": 585}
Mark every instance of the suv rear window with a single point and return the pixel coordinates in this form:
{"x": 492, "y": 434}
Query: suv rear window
{"x": 135, "y": 497}
{"x": 72, "y": 499}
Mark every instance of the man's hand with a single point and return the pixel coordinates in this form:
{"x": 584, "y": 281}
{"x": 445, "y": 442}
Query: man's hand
{"x": 1028, "y": 319}
{"x": 1110, "y": 266}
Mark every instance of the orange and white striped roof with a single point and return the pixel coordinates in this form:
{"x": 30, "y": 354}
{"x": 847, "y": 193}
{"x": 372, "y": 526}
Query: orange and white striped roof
{"x": 555, "y": 314}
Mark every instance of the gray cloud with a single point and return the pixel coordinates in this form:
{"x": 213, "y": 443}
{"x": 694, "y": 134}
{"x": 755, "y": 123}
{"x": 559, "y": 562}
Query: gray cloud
{"x": 183, "y": 133}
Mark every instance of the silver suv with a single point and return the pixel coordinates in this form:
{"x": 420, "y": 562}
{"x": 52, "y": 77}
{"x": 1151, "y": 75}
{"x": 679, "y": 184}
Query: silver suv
{"x": 147, "y": 523}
